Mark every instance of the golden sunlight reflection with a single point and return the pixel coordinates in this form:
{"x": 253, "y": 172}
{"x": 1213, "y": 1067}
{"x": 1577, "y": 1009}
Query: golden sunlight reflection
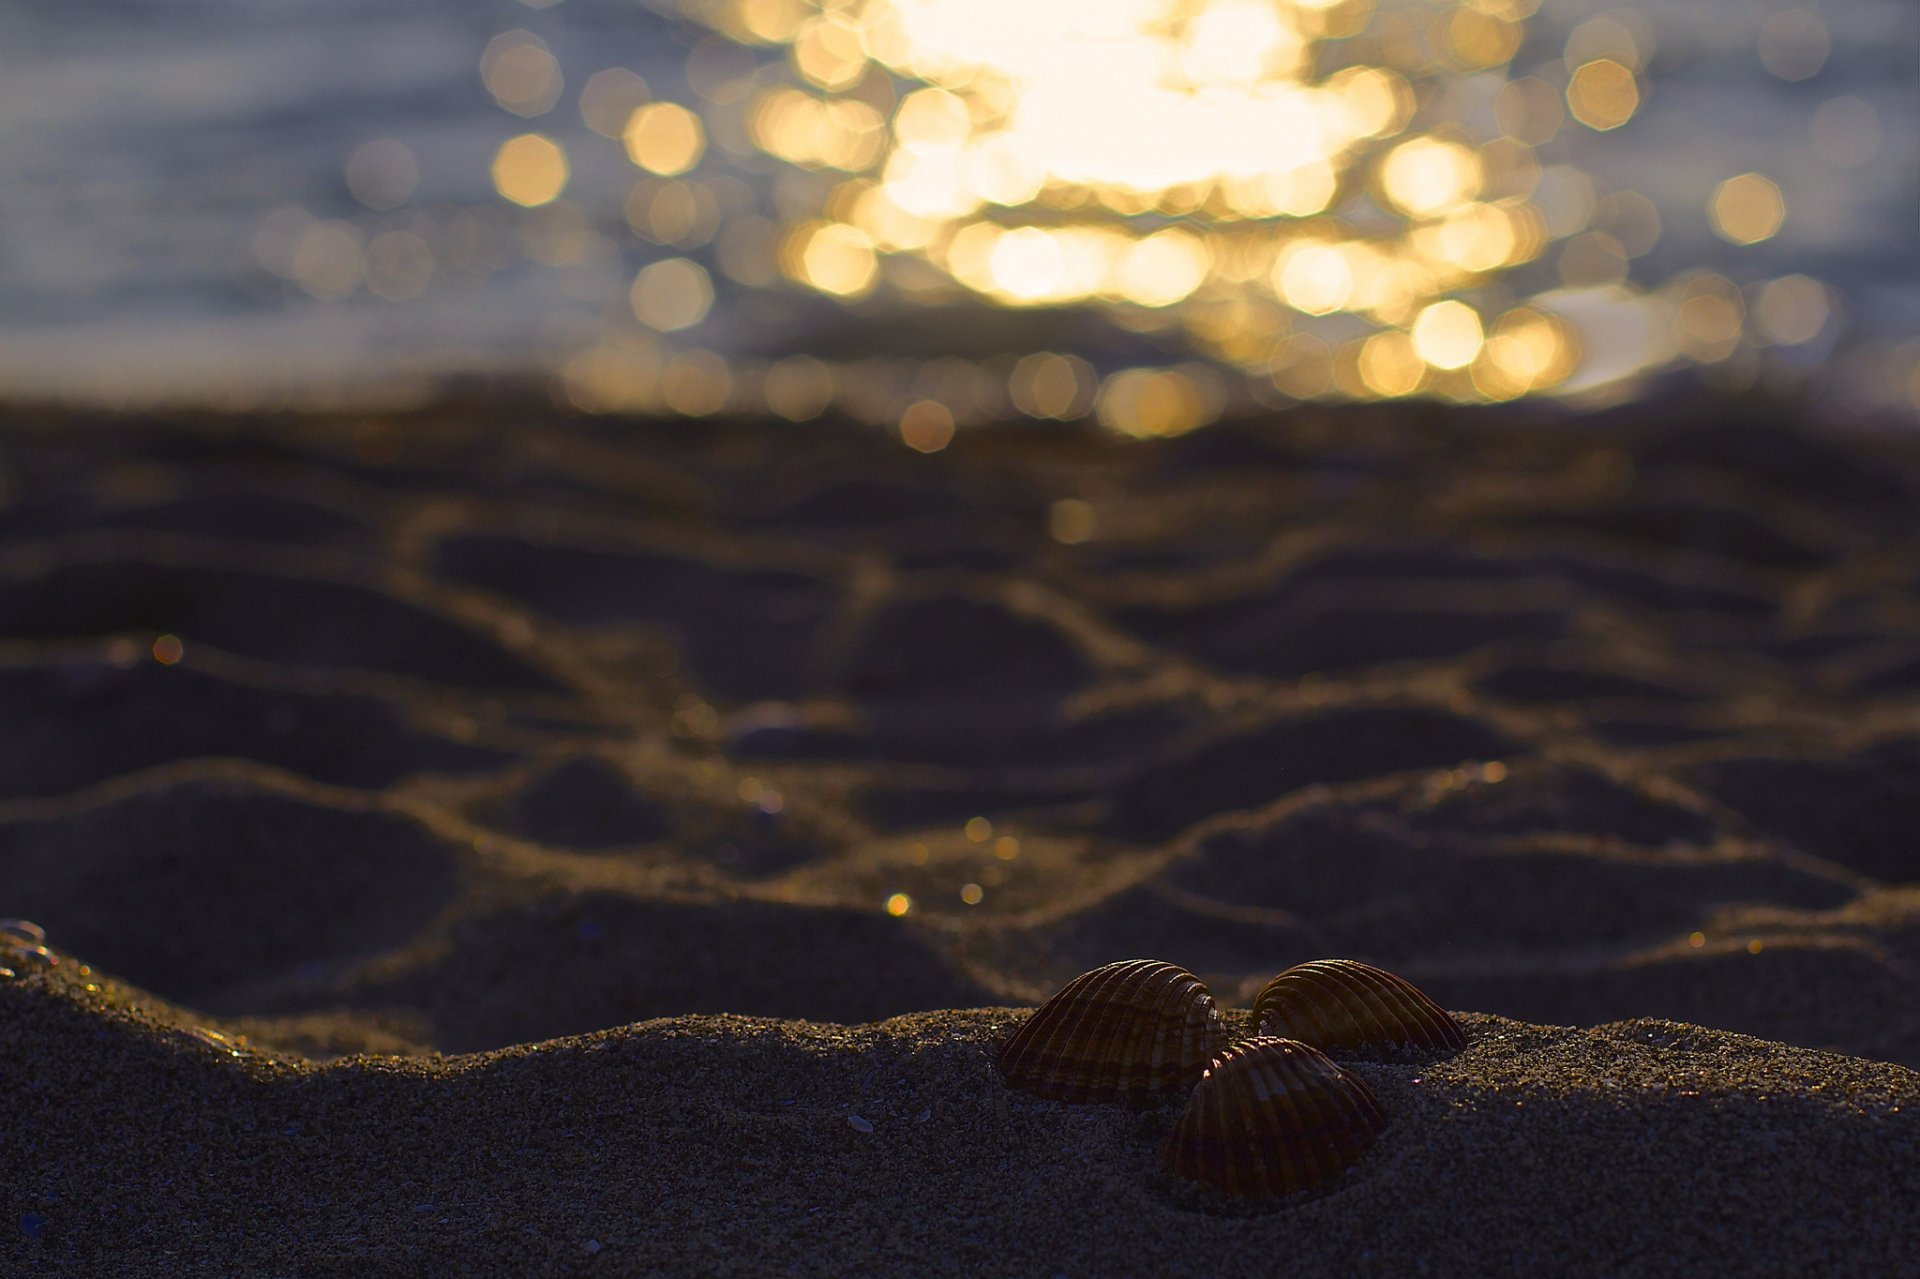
{"x": 1602, "y": 94}
{"x": 927, "y": 427}
{"x": 609, "y": 100}
{"x": 1793, "y": 309}
{"x": 1746, "y": 209}
{"x": 1707, "y": 316}
{"x": 1447, "y": 335}
{"x": 1264, "y": 200}
{"x": 672, "y": 294}
{"x": 530, "y": 170}
{"x": 1149, "y": 402}
{"x": 382, "y": 174}
{"x": 521, "y": 74}
{"x": 664, "y": 138}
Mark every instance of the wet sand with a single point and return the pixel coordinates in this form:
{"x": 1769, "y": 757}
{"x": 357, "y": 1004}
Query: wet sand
{"x": 470, "y": 840}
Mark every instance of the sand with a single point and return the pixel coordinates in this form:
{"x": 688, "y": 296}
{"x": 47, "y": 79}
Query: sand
{"x": 470, "y": 841}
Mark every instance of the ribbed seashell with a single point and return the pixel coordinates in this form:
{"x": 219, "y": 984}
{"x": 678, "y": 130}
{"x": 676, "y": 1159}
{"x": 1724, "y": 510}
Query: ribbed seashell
{"x": 1132, "y": 1031}
{"x": 1342, "y": 1006}
{"x": 1272, "y": 1116}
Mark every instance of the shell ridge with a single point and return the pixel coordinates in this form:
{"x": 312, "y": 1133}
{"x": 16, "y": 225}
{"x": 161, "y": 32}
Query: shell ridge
{"x": 1358, "y": 991}
{"x": 1283, "y": 1114}
{"x": 1137, "y": 1034}
{"x": 1126, "y": 1031}
{"x": 1309, "y": 1111}
{"x": 1338, "y": 1113}
{"x": 1235, "y": 1150}
{"x": 1197, "y": 1032}
{"x": 1420, "y": 1012}
{"x": 1348, "y": 992}
{"x": 1398, "y": 996}
{"x": 1345, "y": 1004}
{"x": 1055, "y": 1022}
{"x": 1272, "y": 1116}
{"x": 1098, "y": 1035}
{"x": 1357, "y": 1114}
{"x": 1043, "y": 1029}
{"x": 1166, "y": 1057}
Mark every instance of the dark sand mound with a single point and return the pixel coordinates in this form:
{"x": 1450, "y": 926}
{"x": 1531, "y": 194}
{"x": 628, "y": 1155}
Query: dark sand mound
{"x": 79, "y": 720}
{"x": 730, "y": 1145}
{"x": 481, "y": 730}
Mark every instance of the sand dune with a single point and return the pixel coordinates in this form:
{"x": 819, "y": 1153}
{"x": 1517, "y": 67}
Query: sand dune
{"x": 714, "y": 783}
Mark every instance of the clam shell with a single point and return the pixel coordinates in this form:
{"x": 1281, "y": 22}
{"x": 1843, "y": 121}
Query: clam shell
{"x": 1132, "y": 1031}
{"x": 1343, "y": 1006}
{"x": 1272, "y": 1116}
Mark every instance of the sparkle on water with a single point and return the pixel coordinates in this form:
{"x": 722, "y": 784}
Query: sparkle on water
{"x": 1264, "y": 200}
{"x": 1322, "y": 198}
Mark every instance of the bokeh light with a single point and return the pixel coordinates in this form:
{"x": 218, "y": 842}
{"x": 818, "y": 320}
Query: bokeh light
{"x": 1794, "y": 44}
{"x": 521, "y": 74}
{"x": 1324, "y": 199}
{"x": 530, "y": 170}
{"x": 672, "y": 295}
{"x": 1746, "y": 209}
{"x": 834, "y": 258}
{"x": 610, "y": 98}
{"x": 1708, "y": 315}
{"x": 664, "y": 138}
{"x": 1447, "y": 335}
{"x": 1602, "y": 94}
{"x": 926, "y": 426}
{"x": 1793, "y": 309}
{"x": 382, "y": 174}
{"x": 1200, "y": 209}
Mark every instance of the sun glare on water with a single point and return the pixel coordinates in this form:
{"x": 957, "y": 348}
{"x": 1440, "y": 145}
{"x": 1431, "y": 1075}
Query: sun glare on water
{"x": 1297, "y": 199}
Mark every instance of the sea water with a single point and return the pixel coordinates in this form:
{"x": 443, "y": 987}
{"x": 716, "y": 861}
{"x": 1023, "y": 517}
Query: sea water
{"x": 183, "y": 217}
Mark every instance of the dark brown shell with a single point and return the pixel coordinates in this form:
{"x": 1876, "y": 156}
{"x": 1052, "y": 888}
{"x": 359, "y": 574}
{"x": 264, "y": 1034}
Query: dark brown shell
{"x": 1272, "y": 1116}
{"x": 1342, "y": 1006}
{"x": 1132, "y": 1031}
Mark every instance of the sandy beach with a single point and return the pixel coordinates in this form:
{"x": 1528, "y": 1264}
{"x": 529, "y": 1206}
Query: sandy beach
{"x": 488, "y": 842}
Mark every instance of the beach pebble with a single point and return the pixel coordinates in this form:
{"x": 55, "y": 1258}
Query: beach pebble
{"x": 858, "y": 1124}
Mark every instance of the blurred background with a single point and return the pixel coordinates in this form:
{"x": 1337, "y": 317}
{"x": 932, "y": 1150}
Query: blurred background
{"x": 927, "y": 214}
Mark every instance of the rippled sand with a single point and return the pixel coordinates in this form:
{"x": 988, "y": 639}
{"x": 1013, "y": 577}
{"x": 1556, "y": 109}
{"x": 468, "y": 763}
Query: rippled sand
{"x": 356, "y": 743}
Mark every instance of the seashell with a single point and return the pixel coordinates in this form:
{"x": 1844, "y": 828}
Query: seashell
{"x": 1272, "y": 1116}
{"x": 1132, "y": 1031}
{"x": 1345, "y": 1006}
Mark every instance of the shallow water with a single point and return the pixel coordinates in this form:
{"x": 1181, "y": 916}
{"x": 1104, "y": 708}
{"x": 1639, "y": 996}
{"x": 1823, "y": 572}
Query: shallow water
{"x": 164, "y": 161}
